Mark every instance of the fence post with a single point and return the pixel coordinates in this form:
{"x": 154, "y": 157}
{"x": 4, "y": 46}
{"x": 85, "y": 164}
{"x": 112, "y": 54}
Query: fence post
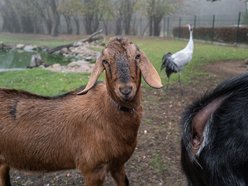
{"x": 213, "y": 22}
{"x": 195, "y": 21}
{"x": 168, "y": 26}
{"x": 237, "y": 32}
{"x": 180, "y": 20}
{"x": 164, "y": 26}
{"x": 141, "y": 25}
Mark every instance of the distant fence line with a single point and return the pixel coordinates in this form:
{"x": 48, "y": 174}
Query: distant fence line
{"x": 215, "y": 24}
{"x": 140, "y": 25}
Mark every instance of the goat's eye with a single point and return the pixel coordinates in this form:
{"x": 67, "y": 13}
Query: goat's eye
{"x": 137, "y": 57}
{"x": 105, "y": 62}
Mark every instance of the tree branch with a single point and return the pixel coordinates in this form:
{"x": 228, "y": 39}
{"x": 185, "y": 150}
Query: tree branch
{"x": 93, "y": 37}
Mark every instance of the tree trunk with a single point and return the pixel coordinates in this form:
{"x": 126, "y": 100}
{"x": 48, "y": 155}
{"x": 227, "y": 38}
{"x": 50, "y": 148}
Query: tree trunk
{"x": 118, "y": 26}
{"x": 77, "y": 23}
{"x": 105, "y": 25}
{"x": 55, "y": 18}
{"x": 127, "y": 24}
{"x": 11, "y": 22}
{"x": 44, "y": 15}
{"x": 96, "y": 22}
{"x": 91, "y": 23}
{"x": 68, "y": 24}
{"x": 150, "y": 26}
{"x": 157, "y": 26}
{"x": 48, "y": 24}
{"x": 88, "y": 20}
{"x": 128, "y": 9}
{"x": 55, "y": 26}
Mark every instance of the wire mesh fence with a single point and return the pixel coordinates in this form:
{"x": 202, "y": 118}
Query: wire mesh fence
{"x": 212, "y": 23}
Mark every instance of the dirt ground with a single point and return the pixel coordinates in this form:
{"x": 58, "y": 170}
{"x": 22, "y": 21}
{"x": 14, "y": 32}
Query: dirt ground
{"x": 156, "y": 160}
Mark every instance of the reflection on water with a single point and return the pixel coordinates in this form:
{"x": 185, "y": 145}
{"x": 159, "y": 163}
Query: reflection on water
{"x": 10, "y": 69}
{"x": 18, "y": 60}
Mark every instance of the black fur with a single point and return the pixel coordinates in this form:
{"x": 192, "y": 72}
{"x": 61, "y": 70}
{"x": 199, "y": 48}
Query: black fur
{"x": 126, "y": 181}
{"x": 123, "y": 69}
{"x": 13, "y": 110}
{"x": 7, "y": 178}
{"x": 168, "y": 64}
{"x": 224, "y": 159}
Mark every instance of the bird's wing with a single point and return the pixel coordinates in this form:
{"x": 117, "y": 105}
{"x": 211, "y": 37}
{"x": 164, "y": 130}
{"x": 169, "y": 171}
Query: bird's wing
{"x": 168, "y": 64}
{"x": 182, "y": 57}
{"x": 165, "y": 60}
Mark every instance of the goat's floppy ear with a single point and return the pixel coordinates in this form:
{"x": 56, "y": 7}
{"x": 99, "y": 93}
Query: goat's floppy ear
{"x": 149, "y": 73}
{"x": 96, "y": 72}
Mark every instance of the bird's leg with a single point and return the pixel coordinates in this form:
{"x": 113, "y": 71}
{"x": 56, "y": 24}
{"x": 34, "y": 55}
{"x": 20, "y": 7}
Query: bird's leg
{"x": 167, "y": 86}
{"x": 179, "y": 80}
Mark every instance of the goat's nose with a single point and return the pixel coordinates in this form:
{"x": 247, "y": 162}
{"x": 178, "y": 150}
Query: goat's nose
{"x": 126, "y": 90}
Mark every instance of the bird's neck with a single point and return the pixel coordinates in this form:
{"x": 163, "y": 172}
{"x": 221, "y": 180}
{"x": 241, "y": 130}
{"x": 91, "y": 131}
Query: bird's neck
{"x": 190, "y": 44}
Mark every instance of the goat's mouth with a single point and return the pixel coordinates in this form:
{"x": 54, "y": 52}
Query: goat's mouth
{"x": 126, "y": 98}
{"x": 126, "y": 94}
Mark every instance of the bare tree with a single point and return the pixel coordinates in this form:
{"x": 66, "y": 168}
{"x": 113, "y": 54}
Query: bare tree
{"x": 10, "y": 18}
{"x": 123, "y": 10}
{"x": 108, "y": 16}
{"x": 92, "y": 15}
{"x": 55, "y": 17}
{"x": 155, "y": 10}
{"x": 128, "y": 9}
{"x": 71, "y": 10}
{"x": 30, "y": 16}
{"x": 42, "y": 11}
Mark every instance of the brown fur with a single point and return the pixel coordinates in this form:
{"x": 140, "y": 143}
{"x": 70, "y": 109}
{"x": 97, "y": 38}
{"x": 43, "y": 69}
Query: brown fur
{"x": 89, "y": 132}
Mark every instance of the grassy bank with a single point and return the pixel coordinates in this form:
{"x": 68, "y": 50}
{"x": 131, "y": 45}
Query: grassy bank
{"x": 42, "y": 81}
{"x": 50, "y": 83}
{"x": 203, "y": 54}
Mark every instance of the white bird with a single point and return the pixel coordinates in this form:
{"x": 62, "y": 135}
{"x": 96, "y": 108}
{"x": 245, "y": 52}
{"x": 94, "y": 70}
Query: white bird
{"x": 174, "y": 63}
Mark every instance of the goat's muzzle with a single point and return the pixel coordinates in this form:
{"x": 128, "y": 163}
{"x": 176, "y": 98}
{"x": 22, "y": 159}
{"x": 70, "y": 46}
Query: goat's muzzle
{"x": 126, "y": 92}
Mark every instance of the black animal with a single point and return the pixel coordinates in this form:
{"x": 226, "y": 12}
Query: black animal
{"x": 215, "y": 136}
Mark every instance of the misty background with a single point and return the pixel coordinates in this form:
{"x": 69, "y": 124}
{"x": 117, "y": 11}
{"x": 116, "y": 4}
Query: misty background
{"x": 117, "y": 17}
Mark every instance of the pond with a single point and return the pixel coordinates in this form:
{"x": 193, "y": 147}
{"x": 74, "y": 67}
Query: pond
{"x": 19, "y": 59}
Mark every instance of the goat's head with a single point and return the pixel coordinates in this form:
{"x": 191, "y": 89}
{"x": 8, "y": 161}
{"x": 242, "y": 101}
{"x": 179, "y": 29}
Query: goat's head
{"x": 123, "y": 63}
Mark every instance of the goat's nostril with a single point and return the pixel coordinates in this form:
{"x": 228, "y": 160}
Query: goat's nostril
{"x": 125, "y": 90}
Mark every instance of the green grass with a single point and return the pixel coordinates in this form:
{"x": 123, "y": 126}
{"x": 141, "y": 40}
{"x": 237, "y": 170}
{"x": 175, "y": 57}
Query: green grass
{"x": 42, "y": 82}
{"x": 38, "y": 40}
{"x": 49, "y": 83}
{"x": 203, "y": 54}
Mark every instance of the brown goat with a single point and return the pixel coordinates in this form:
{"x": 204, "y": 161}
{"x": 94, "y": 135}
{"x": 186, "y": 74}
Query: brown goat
{"x": 94, "y": 130}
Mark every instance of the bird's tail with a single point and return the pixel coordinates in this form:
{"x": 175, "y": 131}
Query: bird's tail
{"x": 165, "y": 60}
{"x": 168, "y": 64}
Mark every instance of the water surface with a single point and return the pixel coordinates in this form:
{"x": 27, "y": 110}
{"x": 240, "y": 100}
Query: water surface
{"x": 18, "y": 59}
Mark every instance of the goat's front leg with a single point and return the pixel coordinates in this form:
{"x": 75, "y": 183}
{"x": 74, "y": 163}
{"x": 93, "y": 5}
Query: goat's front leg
{"x": 119, "y": 175}
{"x": 94, "y": 177}
{"x": 4, "y": 175}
